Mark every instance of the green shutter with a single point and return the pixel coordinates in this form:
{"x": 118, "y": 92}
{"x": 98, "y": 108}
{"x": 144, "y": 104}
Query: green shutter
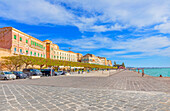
{"x": 38, "y": 54}
{"x": 20, "y": 38}
{"x": 31, "y": 53}
{"x": 26, "y": 51}
{"x": 35, "y": 43}
{"x": 41, "y": 55}
{"x": 15, "y": 37}
{"x": 26, "y": 41}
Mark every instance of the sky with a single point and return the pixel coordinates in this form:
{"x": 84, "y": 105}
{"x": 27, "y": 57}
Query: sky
{"x": 136, "y": 32}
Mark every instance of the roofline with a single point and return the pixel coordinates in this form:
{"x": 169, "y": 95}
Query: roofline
{"x": 12, "y": 28}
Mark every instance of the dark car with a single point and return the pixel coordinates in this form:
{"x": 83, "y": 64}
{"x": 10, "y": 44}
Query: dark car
{"x": 47, "y": 72}
{"x": 32, "y": 72}
{"x": 20, "y": 74}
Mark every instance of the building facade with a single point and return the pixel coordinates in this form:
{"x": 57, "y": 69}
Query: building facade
{"x": 79, "y": 57}
{"x": 103, "y": 60}
{"x": 109, "y": 62}
{"x": 53, "y": 52}
{"x": 21, "y": 43}
{"x": 92, "y": 59}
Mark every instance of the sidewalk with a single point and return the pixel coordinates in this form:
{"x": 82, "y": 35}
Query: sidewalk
{"x": 95, "y": 73}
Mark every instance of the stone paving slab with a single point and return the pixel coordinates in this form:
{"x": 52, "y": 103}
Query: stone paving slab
{"x": 48, "y": 98}
{"x": 125, "y": 80}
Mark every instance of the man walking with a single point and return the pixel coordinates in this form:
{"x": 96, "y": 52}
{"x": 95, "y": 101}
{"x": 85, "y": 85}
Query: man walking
{"x": 142, "y": 72}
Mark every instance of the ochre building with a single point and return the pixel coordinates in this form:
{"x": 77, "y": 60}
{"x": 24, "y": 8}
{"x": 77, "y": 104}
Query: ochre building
{"x": 15, "y": 42}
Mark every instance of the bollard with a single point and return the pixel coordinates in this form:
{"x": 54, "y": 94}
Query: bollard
{"x": 142, "y": 72}
{"x": 160, "y": 76}
{"x": 138, "y": 70}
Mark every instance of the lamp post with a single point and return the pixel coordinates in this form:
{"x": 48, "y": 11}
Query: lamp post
{"x": 69, "y": 58}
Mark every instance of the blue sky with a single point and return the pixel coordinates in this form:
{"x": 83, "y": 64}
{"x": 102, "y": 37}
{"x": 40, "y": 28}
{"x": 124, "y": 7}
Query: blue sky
{"x": 135, "y": 32}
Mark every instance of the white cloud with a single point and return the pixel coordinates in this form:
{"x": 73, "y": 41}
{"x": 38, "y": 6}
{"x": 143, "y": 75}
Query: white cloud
{"x": 35, "y": 12}
{"x": 163, "y": 28}
{"x": 139, "y": 47}
{"x": 89, "y": 15}
{"x": 135, "y": 13}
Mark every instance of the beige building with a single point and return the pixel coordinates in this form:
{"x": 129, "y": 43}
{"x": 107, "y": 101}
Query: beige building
{"x": 92, "y": 59}
{"x": 109, "y": 62}
{"x": 21, "y": 43}
{"x": 15, "y": 42}
{"x": 53, "y": 52}
{"x": 79, "y": 57}
{"x": 103, "y": 60}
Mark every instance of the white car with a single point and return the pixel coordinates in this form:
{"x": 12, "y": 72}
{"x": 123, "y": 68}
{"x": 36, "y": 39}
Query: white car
{"x": 6, "y": 75}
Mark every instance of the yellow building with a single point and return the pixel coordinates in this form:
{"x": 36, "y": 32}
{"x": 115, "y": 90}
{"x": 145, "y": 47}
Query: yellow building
{"x": 53, "y": 52}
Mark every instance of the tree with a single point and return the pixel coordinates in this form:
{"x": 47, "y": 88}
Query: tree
{"x": 41, "y": 62}
{"x": 123, "y": 64}
{"x": 14, "y": 60}
{"x": 26, "y": 60}
{"x": 8, "y": 65}
{"x": 115, "y": 63}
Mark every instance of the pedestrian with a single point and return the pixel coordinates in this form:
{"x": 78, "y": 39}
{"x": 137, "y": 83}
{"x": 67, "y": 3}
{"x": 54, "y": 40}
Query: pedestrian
{"x": 142, "y": 72}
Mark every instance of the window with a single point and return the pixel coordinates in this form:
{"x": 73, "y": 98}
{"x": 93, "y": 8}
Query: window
{"x": 44, "y": 56}
{"x": 34, "y": 53}
{"x": 15, "y": 49}
{"x": 26, "y": 41}
{"x": 31, "y": 53}
{"x": 38, "y": 54}
{"x": 26, "y": 51}
{"x": 20, "y": 39}
{"x": 54, "y": 56}
{"x": 51, "y": 48}
{"x": 15, "y": 37}
{"x": 51, "y": 56}
{"x": 20, "y": 50}
{"x": 41, "y": 55}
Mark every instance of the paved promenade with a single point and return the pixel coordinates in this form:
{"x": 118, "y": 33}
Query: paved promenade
{"x": 124, "y": 91}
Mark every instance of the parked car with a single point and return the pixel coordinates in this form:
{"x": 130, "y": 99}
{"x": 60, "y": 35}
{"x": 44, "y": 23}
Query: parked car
{"x": 32, "y": 72}
{"x": 61, "y": 72}
{"x": 47, "y": 72}
{"x": 20, "y": 74}
{"x": 6, "y": 75}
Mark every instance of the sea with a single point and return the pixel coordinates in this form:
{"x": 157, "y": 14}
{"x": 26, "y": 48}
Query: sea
{"x": 156, "y": 72}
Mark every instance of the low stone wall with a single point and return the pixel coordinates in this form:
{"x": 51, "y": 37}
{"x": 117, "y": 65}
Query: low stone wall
{"x": 95, "y": 73}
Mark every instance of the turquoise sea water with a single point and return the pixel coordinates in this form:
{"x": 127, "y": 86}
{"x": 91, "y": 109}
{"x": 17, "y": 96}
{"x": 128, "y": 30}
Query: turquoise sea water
{"x": 156, "y": 72}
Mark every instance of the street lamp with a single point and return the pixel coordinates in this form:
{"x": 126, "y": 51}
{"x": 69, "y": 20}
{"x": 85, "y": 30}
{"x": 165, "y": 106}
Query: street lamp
{"x": 69, "y": 58}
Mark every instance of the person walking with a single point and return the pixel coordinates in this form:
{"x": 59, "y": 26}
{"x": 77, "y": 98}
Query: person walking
{"x": 142, "y": 72}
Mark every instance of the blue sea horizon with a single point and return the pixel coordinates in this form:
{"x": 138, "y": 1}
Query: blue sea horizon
{"x": 156, "y": 72}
